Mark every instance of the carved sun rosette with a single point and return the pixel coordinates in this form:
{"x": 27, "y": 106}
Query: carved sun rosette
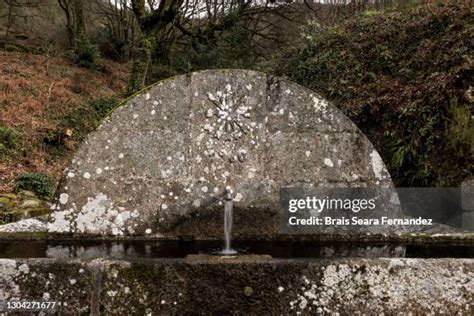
{"x": 228, "y": 121}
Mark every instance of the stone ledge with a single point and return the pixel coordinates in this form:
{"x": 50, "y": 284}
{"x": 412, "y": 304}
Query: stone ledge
{"x": 464, "y": 238}
{"x": 205, "y": 259}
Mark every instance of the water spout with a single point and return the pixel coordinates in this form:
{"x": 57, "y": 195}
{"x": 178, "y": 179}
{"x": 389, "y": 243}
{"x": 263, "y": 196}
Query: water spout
{"x": 228, "y": 217}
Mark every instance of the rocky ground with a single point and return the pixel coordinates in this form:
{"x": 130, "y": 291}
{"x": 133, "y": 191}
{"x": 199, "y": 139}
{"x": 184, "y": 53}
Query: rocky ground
{"x": 20, "y": 206}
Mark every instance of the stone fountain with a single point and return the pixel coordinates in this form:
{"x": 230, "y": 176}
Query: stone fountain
{"x": 157, "y": 168}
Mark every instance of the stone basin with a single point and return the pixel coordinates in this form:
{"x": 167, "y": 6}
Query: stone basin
{"x": 244, "y": 285}
{"x": 424, "y": 274}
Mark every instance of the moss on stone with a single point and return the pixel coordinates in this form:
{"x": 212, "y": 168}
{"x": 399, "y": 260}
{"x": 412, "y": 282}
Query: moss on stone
{"x": 6, "y": 204}
{"x": 10, "y": 236}
{"x": 140, "y": 66}
{"x": 10, "y": 196}
{"x": 143, "y": 271}
{"x": 10, "y": 143}
{"x": 143, "y": 286}
{"x": 248, "y": 291}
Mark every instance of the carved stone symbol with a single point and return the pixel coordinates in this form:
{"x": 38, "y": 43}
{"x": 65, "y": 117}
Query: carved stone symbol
{"x": 232, "y": 121}
{"x": 232, "y": 115}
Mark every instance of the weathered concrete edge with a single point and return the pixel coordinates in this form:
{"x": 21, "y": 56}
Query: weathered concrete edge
{"x": 246, "y": 285}
{"x": 463, "y": 238}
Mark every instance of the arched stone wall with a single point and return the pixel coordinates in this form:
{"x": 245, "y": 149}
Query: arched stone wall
{"x": 165, "y": 157}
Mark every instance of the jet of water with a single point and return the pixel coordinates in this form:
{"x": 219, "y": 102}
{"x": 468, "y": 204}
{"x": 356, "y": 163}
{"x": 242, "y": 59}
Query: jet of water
{"x": 228, "y": 217}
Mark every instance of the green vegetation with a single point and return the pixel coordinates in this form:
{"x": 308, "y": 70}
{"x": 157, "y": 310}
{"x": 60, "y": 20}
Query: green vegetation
{"x": 75, "y": 125}
{"x": 396, "y": 75}
{"x": 40, "y": 183}
{"x": 460, "y": 130}
{"x": 10, "y": 143}
{"x": 140, "y": 66}
{"x": 86, "y": 54}
{"x": 89, "y": 115}
{"x": 12, "y": 48}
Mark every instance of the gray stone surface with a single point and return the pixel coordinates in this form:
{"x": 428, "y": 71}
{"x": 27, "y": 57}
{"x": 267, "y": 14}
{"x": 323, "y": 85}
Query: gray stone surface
{"x": 467, "y": 195}
{"x": 244, "y": 285}
{"x": 468, "y": 221}
{"x": 165, "y": 156}
{"x": 31, "y": 225}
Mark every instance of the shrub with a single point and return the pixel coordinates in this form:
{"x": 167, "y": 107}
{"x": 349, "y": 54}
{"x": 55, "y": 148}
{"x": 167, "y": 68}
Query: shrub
{"x": 460, "y": 130}
{"x": 101, "y": 107}
{"x": 87, "y": 55}
{"x": 9, "y": 47}
{"x": 10, "y": 143}
{"x": 40, "y": 183}
{"x": 395, "y": 74}
{"x": 87, "y": 117}
{"x": 4, "y": 153}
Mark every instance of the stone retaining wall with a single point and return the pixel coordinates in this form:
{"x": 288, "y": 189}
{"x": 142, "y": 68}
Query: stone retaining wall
{"x": 246, "y": 285}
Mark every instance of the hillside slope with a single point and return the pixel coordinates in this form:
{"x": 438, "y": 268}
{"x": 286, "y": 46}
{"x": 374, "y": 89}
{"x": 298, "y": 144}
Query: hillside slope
{"x": 43, "y": 112}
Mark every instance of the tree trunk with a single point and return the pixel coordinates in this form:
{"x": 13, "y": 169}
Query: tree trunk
{"x": 141, "y": 60}
{"x": 10, "y": 21}
{"x": 150, "y": 25}
{"x": 65, "y": 5}
{"x": 79, "y": 26}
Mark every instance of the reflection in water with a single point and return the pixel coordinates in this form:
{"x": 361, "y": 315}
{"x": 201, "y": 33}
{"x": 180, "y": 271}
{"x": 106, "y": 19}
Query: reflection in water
{"x": 180, "y": 249}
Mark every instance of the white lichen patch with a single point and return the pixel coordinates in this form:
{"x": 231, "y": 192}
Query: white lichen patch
{"x": 328, "y": 162}
{"x": 63, "y": 198}
{"x": 238, "y": 197}
{"x": 9, "y": 288}
{"x": 98, "y": 215}
{"x": 23, "y": 268}
{"x": 394, "y": 285}
{"x": 61, "y": 221}
{"x": 112, "y": 293}
{"x": 377, "y": 165}
{"x": 86, "y": 175}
